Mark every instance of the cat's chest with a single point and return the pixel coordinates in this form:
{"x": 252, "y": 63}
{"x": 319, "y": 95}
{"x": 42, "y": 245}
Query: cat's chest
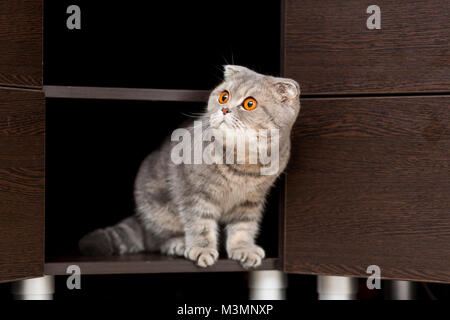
{"x": 235, "y": 196}
{"x": 240, "y": 192}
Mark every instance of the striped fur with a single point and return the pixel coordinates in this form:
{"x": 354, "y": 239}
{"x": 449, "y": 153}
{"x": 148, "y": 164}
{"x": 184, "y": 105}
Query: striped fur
{"x": 179, "y": 207}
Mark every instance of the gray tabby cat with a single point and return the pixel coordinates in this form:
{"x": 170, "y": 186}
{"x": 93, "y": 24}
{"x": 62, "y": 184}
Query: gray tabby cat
{"x": 179, "y": 207}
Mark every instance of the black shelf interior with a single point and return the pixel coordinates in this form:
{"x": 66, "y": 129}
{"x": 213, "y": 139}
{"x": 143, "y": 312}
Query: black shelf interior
{"x": 93, "y": 151}
{"x": 159, "y": 44}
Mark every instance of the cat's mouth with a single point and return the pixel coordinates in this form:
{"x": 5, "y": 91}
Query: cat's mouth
{"x": 223, "y": 125}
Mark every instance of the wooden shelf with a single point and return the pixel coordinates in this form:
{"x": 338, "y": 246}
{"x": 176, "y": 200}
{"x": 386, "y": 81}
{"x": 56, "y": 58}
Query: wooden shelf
{"x": 110, "y": 93}
{"x": 143, "y": 263}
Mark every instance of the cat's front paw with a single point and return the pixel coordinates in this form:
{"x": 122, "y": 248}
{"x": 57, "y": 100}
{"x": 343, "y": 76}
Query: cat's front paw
{"x": 249, "y": 257}
{"x": 174, "y": 247}
{"x": 203, "y": 257}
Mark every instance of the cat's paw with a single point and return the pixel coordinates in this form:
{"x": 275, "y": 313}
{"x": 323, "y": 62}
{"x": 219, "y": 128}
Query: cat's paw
{"x": 203, "y": 257}
{"x": 174, "y": 247}
{"x": 249, "y": 257}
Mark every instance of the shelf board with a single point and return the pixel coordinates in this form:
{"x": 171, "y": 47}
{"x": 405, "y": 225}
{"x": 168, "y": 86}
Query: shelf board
{"x": 143, "y": 263}
{"x": 111, "y": 93}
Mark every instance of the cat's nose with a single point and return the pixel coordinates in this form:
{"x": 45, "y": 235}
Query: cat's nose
{"x": 225, "y": 111}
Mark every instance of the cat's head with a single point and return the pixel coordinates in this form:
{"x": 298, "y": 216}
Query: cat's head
{"x": 249, "y": 100}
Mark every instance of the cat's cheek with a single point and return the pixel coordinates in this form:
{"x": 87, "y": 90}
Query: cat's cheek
{"x": 214, "y": 124}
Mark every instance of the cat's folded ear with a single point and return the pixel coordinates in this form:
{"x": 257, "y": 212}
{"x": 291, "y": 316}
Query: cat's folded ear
{"x": 286, "y": 89}
{"x": 233, "y": 70}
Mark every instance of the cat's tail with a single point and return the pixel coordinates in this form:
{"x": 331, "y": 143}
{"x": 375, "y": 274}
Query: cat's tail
{"x": 125, "y": 237}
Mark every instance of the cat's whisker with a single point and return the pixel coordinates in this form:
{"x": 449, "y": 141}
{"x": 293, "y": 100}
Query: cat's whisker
{"x": 239, "y": 123}
{"x": 233, "y": 124}
{"x": 218, "y": 68}
{"x": 199, "y": 113}
{"x": 224, "y": 59}
{"x": 204, "y": 124}
{"x": 192, "y": 116}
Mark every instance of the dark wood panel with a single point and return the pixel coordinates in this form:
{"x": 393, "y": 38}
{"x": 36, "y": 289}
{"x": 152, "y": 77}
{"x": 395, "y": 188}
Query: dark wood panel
{"x": 22, "y": 181}
{"x": 369, "y": 183}
{"x": 329, "y": 50}
{"x": 143, "y": 263}
{"x": 21, "y": 43}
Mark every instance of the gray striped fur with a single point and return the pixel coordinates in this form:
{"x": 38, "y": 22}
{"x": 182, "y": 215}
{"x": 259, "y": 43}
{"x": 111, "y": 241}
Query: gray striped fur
{"x": 179, "y": 207}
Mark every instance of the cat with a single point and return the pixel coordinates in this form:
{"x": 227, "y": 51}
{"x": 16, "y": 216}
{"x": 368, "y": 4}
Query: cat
{"x": 179, "y": 207}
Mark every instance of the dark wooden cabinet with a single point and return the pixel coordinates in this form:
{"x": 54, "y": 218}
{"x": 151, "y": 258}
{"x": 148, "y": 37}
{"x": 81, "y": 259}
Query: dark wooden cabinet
{"x": 368, "y": 182}
{"x": 329, "y": 49}
{"x": 22, "y": 183}
{"x": 369, "y": 178}
{"x": 22, "y": 140}
{"x": 21, "y": 43}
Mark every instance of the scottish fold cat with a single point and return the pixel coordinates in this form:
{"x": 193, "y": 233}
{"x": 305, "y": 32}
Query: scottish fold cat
{"x": 180, "y": 206}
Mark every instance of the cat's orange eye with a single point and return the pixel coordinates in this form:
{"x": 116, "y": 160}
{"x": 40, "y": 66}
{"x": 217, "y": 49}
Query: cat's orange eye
{"x": 224, "y": 96}
{"x": 249, "y": 104}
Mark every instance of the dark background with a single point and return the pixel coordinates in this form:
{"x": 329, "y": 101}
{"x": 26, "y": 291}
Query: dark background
{"x": 94, "y": 147}
{"x": 159, "y": 44}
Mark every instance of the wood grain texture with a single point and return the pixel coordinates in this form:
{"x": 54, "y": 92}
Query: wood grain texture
{"x": 22, "y": 183}
{"x": 21, "y": 43}
{"x": 105, "y": 93}
{"x": 329, "y": 50}
{"x": 143, "y": 263}
{"x": 369, "y": 183}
